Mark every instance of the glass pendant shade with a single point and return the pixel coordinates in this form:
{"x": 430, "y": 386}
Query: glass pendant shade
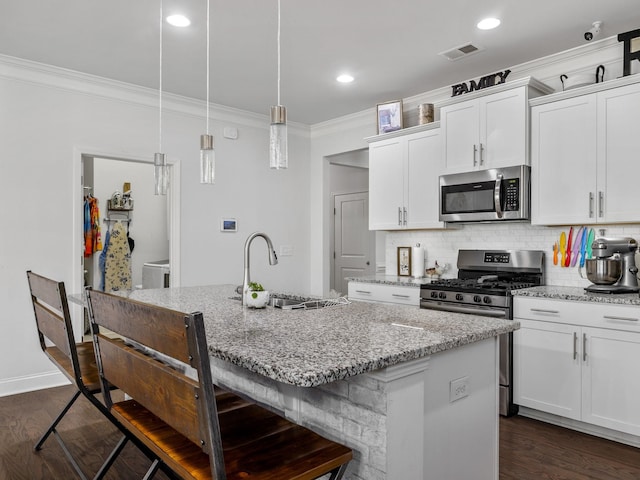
{"x": 161, "y": 174}
{"x": 207, "y": 159}
{"x": 278, "y": 154}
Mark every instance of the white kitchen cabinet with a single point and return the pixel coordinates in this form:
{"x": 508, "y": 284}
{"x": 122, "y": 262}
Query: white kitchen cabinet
{"x": 384, "y": 293}
{"x": 579, "y": 360}
{"x": 546, "y": 376}
{"x": 403, "y": 180}
{"x": 483, "y": 130}
{"x": 584, "y": 157}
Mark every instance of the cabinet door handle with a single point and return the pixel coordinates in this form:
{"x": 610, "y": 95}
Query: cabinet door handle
{"x": 475, "y": 151}
{"x": 399, "y": 216}
{"x": 363, "y": 291}
{"x": 575, "y": 345}
{"x": 601, "y": 204}
{"x": 399, "y": 296}
{"x": 590, "y": 204}
{"x": 626, "y": 319}
{"x": 584, "y": 347}
{"x": 404, "y": 210}
{"x": 542, "y": 310}
{"x": 481, "y": 150}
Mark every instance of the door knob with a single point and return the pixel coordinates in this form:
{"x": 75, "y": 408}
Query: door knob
{"x": 368, "y": 263}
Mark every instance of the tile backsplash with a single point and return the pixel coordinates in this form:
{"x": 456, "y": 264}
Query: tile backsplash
{"x": 443, "y": 245}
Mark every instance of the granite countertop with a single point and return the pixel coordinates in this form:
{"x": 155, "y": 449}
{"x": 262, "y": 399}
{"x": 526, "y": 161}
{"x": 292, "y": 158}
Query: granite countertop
{"x": 391, "y": 280}
{"x": 313, "y": 347}
{"x": 578, "y": 294}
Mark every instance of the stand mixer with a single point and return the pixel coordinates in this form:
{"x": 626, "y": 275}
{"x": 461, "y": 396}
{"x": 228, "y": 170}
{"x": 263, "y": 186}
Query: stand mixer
{"x": 613, "y": 270}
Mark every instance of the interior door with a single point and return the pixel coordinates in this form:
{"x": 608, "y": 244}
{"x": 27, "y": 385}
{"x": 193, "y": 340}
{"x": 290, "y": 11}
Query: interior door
{"x": 354, "y": 243}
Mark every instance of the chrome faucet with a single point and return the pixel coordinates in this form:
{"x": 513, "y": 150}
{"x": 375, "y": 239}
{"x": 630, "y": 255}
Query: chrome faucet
{"x": 273, "y": 259}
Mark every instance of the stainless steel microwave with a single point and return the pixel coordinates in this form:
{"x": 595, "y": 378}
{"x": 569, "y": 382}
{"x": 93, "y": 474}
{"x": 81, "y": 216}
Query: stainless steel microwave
{"x": 486, "y": 195}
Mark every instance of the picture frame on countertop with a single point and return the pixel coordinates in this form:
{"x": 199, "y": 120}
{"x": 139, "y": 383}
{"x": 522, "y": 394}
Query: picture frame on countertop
{"x": 228, "y": 225}
{"x": 404, "y": 261}
{"x": 389, "y": 116}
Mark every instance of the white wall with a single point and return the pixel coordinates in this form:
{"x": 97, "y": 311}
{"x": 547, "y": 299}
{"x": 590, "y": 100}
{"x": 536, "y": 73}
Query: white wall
{"x": 148, "y": 225}
{"x": 49, "y": 117}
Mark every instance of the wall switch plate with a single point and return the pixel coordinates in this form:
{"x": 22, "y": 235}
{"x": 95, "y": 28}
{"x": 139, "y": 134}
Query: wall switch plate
{"x": 286, "y": 250}
{"x": 230, "y": 132}
{"x": 458, "y": 389}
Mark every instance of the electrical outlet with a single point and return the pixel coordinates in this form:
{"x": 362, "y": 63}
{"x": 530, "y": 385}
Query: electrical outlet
{"x": 458, "y": 389}
{"x": 286, "y": 250}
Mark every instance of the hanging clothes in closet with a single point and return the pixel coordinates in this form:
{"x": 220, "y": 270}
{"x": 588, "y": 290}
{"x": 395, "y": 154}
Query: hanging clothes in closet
{"x": 117, "y": 269}
{"x": 92, "y": 236}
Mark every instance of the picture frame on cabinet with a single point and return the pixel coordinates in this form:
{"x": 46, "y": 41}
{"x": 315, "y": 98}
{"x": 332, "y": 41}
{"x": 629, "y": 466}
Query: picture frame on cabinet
{"x": 389, "y": 116}
{"x": 404, "y": 261}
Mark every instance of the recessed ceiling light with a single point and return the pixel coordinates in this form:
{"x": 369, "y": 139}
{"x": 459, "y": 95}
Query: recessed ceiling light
{"x": 488, "y": 23}
{"x": 178, "y": 21}
{"x": 345, "y": 78}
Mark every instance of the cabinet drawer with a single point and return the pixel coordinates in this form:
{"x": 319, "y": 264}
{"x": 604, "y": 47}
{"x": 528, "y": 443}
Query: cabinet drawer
{"x": 587, "y": 314}
{"x": 616, "y": 317}
{"x": 546, "y": 310}
{"x": 376, "y": 292}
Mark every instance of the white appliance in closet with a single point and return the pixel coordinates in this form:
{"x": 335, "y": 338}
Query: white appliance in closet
{"x": 155, "y": 274}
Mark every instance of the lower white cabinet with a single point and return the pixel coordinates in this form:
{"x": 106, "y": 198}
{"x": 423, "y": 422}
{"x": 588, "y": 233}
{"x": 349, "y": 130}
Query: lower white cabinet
{"x": 579, "y": 360}
{"x": 384, "y": 293}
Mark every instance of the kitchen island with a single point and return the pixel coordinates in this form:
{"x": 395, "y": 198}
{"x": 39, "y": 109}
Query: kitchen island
{"x": 413, "y": 392}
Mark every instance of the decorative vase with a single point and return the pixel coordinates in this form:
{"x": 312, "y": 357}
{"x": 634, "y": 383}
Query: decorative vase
{"x": 256, "y": 299}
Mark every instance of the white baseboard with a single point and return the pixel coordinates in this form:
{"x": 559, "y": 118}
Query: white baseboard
{"x": 29, "y": 383}
{"x": 595, "y": 430}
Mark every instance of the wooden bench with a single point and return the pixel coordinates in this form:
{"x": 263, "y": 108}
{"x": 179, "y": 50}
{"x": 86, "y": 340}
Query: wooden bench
{"x": 76, "y": 361}
{"x": 197, "y": 432}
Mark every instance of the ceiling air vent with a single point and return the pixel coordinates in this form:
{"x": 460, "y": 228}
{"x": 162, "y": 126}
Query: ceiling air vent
{"x": 460, "y": 51}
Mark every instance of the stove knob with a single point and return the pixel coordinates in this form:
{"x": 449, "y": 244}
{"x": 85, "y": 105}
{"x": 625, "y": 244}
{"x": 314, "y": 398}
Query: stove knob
{"x": 459, "y": 297}
{"x": 486, "y": 300}
{"x": 443, "y": 295}
{"x": 477, "y": 298}
{"x": 434, "y": 294}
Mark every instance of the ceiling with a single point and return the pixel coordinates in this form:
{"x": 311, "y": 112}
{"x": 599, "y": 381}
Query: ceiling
{"x": 391, "y": 47}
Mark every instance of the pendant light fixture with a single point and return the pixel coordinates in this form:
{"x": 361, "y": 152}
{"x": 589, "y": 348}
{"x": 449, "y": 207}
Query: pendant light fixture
{"x": 207, "y": 151}
{"x": 160, "y": 159}
{"x": 278, "y": 155}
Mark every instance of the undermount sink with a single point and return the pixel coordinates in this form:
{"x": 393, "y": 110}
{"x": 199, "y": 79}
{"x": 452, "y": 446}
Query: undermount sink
{"x": 286, "y": 303}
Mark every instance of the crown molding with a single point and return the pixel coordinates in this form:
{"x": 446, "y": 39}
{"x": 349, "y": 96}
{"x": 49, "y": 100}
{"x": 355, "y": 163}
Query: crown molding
{"x": 545, "y": 69}
{"x": 26, "y": 71}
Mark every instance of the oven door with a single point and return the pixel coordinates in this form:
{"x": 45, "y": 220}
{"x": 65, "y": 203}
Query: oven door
{"x": 497, "y": 312}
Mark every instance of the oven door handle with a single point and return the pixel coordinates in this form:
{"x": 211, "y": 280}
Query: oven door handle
{"x": 496, "y": 195}
{"x": 483, "y": 312}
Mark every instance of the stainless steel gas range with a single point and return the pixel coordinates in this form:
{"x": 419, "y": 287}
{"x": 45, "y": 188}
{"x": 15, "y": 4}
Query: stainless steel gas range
{"x": 483, "y": 287}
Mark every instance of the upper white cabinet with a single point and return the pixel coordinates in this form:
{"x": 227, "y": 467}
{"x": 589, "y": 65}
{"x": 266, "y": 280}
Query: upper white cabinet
{"x": 403, "y": 180}
{"x": 481, "y": 130}
{"x": 584, "y": 155}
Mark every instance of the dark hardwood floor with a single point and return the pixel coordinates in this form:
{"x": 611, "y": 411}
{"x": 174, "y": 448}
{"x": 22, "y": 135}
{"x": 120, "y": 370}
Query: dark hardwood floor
{"x": 89, "y": 436}
{"x": 533, "y": 450}
{"x": 529, "y": 450}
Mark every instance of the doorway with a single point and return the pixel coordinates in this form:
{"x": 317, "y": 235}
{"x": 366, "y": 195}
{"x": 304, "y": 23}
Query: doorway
{"x": 102, "y": 172}
{"x": 352, "y": 245}
{"x": 145, "y": 217}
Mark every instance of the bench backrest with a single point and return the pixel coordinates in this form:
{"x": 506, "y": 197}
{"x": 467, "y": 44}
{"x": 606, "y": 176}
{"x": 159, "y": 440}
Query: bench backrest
{"x": 53, "y": 320}
{"x": 186, "y": 404}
